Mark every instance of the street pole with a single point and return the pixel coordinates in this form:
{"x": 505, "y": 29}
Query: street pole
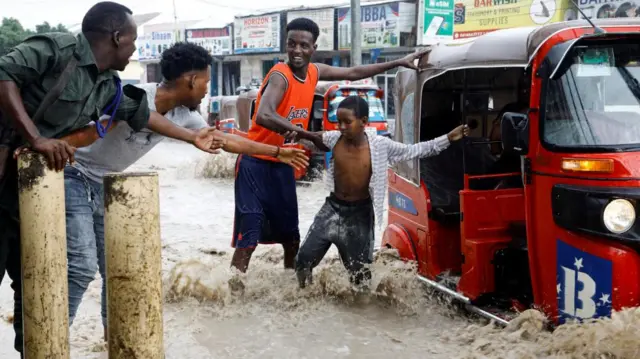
{"x": 134, "y": 265}
{"x": 175, "y": 24}
{"x": 356, "y": 38}
{"x": 43, "y": 243}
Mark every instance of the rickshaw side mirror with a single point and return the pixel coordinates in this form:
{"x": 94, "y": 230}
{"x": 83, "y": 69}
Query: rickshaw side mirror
{"x": 515, "y": 132}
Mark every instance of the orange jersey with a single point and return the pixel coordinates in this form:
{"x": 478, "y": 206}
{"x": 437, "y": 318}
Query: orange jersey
{"x": 295, "y": 106}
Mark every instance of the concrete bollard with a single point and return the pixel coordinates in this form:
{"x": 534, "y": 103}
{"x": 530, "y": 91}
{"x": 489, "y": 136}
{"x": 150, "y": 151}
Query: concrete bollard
{"x": 133, "y": 256}
{"x": 43, "y": 243}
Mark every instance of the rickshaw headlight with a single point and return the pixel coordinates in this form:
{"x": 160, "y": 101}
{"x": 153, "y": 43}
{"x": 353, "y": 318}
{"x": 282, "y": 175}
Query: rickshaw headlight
{"x": 619, "y": 215}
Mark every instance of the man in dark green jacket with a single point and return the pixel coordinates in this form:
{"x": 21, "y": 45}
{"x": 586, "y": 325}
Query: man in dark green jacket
{"x": 93, "y": 90}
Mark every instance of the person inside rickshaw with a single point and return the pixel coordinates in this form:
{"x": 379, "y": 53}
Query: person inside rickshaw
{"x": 507, "y": 162}
{"x": 444, "y": 174}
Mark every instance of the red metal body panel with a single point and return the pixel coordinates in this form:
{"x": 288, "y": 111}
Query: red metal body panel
{"x": 442, "y": 250}
{"x": 437, "y": 247}
{"x": 410, "y": 223}
{"x": 542, "y": 233}
{"x": 485, "y": 229}
{"x": 396, "y": 236}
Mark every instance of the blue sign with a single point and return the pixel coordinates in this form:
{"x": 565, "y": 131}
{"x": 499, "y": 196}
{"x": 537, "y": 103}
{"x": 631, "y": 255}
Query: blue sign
{"x": 402, "y": 202}
{"x": 584, "y": 284}
{"x": 375, "y": 53}
{"x": 373, "y": 13}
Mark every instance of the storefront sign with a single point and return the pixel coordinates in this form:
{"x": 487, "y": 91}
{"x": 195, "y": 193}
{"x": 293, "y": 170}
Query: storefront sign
{"x": 152, "y": 45}
{"x": 324, "y": 18}
{"x": 382, "y": 25}
{"x": 257, "y": 34}
{"x": 476, "y": 17}
{"x": 216, "y": 41}
{"x": 435, "y": 21}
{"x": 602, "y": 9}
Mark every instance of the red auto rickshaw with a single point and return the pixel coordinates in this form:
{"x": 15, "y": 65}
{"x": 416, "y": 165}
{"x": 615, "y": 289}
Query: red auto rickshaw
{"x": 546, "y": 219}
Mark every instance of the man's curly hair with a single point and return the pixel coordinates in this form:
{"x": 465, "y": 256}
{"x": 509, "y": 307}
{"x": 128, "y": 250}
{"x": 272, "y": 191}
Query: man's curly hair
{"x": 183, "y": 57}
{"x": 304, "y": 24}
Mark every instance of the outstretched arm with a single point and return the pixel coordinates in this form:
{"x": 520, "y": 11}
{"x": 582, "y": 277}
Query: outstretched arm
{"x": 330, "y": 73}
{"x": 237, "y": 144}
{"x": 157, "y": 123}
{"x": 88, "y": 134}
{"x": 399, "y": 152}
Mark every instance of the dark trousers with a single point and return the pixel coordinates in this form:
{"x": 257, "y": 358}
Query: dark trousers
{"x": 10, "y": 243}
{"x": 347, "y": 225}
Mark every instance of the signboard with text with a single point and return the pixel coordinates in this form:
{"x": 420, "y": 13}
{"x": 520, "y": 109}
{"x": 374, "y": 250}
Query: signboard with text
{"x": 603, "y": 9}
{"x": 152, "y": 45}
{"x": 435, "y": 21}
{"x": 477, "y": 17}
{"x": 325, "y": 19}
{"x": 216, "y": 41}
{"x": 382, "y": 25}
{"x": 257, "y": 34}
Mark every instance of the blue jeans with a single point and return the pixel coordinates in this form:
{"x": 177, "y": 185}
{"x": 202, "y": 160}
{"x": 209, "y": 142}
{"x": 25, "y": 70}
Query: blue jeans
{"x": 85, "y": 237}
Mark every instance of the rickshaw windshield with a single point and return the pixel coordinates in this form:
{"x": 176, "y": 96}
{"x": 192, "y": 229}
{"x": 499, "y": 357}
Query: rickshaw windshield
{"x": 376, "y": 110}
{"x": 595, "y": 103}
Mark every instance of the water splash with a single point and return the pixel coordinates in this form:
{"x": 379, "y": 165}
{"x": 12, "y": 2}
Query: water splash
{"x": 268, "y": 284}
{"x": 221, "y": 165}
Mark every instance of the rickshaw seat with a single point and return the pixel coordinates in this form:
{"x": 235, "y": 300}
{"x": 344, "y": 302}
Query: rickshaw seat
{"x": 444, "y": 216}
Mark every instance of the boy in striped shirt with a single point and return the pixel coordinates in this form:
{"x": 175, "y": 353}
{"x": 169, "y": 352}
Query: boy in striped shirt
{"x": 357, "y": 181}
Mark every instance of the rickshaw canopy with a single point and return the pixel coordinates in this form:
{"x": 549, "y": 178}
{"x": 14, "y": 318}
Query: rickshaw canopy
{"x": 513, "y": 47}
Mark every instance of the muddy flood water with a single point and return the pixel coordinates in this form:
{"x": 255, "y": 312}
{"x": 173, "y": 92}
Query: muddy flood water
{"x": 274, "y": 319}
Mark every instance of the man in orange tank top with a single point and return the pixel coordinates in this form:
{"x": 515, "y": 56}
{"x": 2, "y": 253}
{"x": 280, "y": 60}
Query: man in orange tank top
{"x": 265, "y": 189}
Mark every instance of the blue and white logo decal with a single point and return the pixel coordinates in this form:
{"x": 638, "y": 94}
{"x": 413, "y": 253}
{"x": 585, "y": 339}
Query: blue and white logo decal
{"x": 584, "y": 284}
{"x": 402, "y": 202}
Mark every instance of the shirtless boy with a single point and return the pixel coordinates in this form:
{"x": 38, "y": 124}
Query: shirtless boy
{"x": 357, "y": 179}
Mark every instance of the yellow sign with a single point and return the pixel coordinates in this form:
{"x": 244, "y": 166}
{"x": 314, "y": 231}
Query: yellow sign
{"x": 476, "y": 17}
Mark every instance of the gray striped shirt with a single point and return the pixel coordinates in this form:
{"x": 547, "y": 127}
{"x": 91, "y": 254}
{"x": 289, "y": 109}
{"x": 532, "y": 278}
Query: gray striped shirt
{"x": 384, "y": 152}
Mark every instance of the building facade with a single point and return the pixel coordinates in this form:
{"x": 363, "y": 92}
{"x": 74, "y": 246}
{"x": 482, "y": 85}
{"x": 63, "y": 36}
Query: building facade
{"x": 246, "y": 47}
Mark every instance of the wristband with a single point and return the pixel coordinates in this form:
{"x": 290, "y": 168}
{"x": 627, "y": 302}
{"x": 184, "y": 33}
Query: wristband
{"x": 277, "y": 151}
